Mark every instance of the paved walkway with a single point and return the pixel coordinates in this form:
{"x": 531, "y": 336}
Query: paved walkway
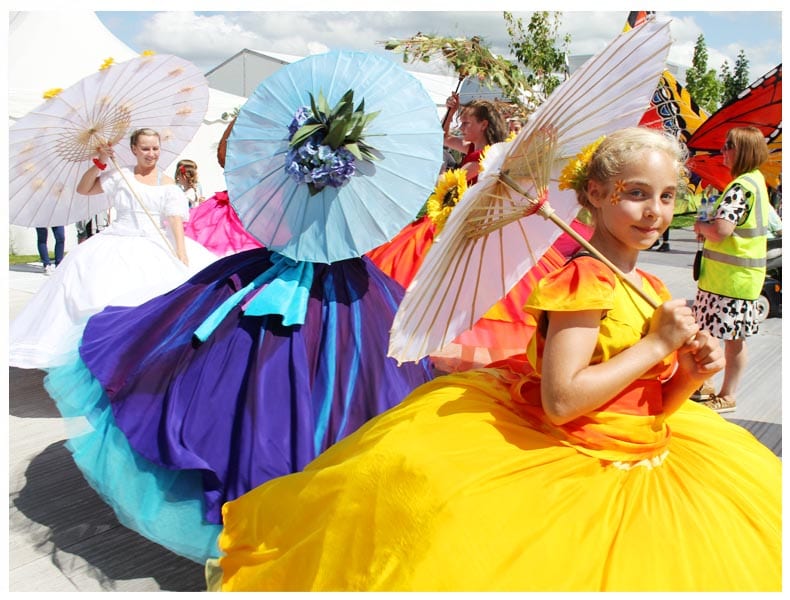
{"x": 62, "y": 537}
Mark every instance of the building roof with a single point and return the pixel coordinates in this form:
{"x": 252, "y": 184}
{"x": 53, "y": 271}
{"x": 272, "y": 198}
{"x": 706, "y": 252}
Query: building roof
{"x": 437, "y": 86}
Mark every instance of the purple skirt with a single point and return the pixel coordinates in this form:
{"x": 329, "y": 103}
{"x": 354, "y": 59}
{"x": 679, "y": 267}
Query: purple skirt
{"x": 256, "y": 399}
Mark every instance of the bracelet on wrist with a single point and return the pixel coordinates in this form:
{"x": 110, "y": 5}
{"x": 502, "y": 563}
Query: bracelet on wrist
{"x": 99, "y": 164}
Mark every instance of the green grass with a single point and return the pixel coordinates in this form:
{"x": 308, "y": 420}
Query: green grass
{"x": 683, "y": 221}
{"x": 21, "y": 259}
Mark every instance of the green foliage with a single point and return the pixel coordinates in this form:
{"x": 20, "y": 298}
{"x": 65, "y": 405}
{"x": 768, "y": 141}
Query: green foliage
{"x": 734, "y": 83}
{"x": 536, "y": 49}
{"x": 709, "y": 90}
{"x": 343, "y": 125}
{"x": 702, "y": 82}
{"x": 467, "y": 57}
{"x": 230, "y": 115}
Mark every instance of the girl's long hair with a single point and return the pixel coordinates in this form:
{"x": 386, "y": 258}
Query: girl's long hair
{"x": 186, "y": 174}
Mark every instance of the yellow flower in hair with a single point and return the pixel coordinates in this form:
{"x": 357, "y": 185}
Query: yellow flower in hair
{"x": 52, "y": 93}
{"x": 108, "y": 62}
{"x": 574, "y": 175}
{"x": 448, "y": 191}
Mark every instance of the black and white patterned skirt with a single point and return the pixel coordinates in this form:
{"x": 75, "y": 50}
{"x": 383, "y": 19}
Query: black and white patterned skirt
{"x": 726, "y": 318}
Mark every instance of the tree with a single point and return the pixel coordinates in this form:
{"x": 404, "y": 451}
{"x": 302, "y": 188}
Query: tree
{"x": 536, "y": 49}
{"x": 734, "y": 83}
{"x": 702, "y": 82}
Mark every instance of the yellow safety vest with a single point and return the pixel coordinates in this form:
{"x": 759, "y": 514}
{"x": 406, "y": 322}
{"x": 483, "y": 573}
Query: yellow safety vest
{"x": 735, "y": 266}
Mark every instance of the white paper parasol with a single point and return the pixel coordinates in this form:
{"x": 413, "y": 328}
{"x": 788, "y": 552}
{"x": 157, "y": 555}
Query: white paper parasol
{"x": 53, "y": 145}
{"x": 489, "y": 241}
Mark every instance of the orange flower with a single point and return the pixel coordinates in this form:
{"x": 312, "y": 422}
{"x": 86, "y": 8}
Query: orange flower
{"x": 619, "y": 188}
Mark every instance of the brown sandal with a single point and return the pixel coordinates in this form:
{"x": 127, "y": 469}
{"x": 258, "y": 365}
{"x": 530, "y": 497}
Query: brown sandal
{"x": 720, "y": 404}
{"x": 704, "y": 392}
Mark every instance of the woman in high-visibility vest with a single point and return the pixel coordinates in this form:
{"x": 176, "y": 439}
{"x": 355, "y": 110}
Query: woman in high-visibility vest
{"x": 732, "y": 271}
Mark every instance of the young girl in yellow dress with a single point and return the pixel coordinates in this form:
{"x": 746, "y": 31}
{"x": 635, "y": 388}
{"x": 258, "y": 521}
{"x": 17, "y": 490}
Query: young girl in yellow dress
{"x": 584, "y": 467}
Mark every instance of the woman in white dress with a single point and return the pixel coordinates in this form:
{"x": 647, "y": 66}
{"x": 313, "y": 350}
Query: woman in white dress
{"x": 126, "y": 264}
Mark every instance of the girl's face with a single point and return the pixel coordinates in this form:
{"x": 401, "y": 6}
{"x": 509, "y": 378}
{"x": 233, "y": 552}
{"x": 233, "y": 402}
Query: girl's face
{"x": 147, "y": 150}
{"x": 473, "y": 129}
{"x": 636, "y": 206}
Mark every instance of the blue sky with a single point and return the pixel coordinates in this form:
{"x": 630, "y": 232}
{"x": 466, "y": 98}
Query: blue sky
{"x": 208, "y": 38}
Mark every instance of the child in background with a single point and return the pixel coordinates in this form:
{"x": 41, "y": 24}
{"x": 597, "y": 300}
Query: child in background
{"x": 215, "y": 223}
{"x": 186, "y": 177}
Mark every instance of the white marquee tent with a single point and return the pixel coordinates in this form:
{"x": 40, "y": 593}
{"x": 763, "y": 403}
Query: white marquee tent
{"x": 243, "y": 72}
{"x": 53, "y": 49}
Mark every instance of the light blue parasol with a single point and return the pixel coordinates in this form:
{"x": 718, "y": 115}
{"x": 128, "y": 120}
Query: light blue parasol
{"x": 335, "y": 211}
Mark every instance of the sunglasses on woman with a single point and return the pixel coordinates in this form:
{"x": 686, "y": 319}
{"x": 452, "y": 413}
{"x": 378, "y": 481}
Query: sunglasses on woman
{"x": 727, "y": 146}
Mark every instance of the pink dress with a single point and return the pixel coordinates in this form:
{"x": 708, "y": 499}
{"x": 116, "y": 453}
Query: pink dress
{"x": 215, "y": 224}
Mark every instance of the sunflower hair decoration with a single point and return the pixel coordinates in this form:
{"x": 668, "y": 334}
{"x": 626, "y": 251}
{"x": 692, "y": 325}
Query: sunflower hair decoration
{"x": 481, "y": 159}
{"x": 574, "y": 175}
{"x": 447, "y": 193}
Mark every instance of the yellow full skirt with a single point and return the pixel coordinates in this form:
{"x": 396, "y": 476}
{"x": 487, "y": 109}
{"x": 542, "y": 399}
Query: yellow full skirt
{"x": 452, "y": 490}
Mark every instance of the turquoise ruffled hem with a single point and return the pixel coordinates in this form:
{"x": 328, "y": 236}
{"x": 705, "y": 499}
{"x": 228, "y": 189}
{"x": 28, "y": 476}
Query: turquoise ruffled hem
{"x": 164, "y": 506}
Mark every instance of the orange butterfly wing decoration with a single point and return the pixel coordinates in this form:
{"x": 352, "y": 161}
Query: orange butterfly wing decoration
{"x": 673, "y": 109}
{"x": 759, "y": 105}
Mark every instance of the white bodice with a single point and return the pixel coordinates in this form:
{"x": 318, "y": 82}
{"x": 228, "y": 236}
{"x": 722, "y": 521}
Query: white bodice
{"x": 161, "y": 201}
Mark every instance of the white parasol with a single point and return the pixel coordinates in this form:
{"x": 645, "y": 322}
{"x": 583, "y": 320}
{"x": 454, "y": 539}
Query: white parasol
{"x": 53, "y": 145}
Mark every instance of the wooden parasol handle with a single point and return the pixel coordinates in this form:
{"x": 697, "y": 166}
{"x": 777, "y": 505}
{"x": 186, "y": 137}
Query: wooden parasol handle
{"x": 547, "y": 212}
{"x": 447, "y": 112}
{"x": 157, "y": 226}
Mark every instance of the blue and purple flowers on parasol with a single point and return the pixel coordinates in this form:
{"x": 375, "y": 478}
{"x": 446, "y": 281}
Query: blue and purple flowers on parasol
{"x": 325, "y": 144}
{"x": 317, "y": 165}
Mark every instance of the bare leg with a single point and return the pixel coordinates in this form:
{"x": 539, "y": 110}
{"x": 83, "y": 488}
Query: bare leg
{"x": 467, "y": 358}
{"x": 496, "y": 354}
{"x": 735, "y": 355}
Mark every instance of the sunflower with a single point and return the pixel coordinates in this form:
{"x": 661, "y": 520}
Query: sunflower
{"x": 574, "y": 175}
{"x": 448, "y": 191}
{"x": 481, "y": 159}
